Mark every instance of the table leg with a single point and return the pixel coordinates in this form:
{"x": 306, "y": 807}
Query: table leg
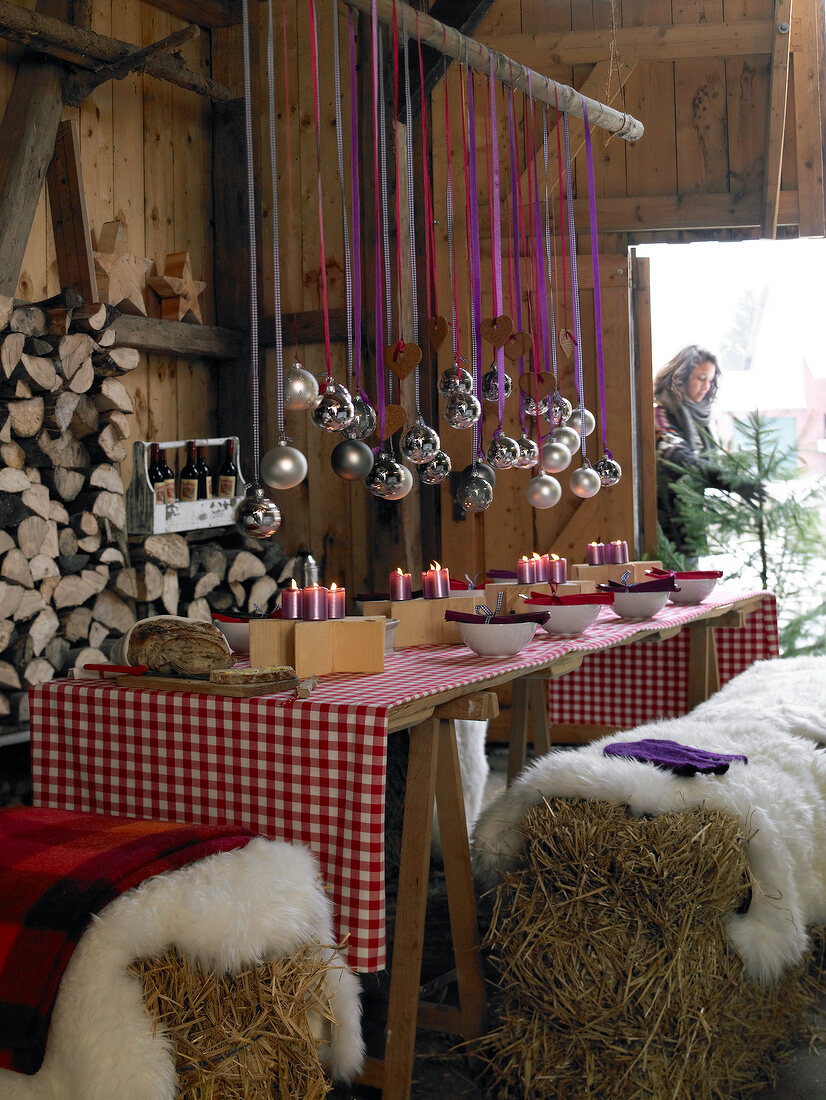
{"x": 540, "y": 719}
{"x": 518, "y": 736}
{"x": 703, "y": 673}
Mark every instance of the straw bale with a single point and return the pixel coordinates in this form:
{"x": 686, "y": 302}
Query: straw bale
{"x": 244, "y": 1036}
{"x": 615, "y": 977}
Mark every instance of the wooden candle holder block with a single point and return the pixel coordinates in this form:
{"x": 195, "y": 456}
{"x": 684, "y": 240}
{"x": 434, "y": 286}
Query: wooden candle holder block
{"x": 422, "y": 622}
{"x": 352, "y": 644}
{"x": 511, "y": 593}
{"x": 601, "y": 573}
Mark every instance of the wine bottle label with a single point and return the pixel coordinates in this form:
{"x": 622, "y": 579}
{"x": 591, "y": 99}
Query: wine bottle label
{"x": 208, "y": 489}
{"x": 226, "y": 485}
{"x": 170, "y": 490}
{"x": 160, "y": 492}
{"x": 189, "y": 488}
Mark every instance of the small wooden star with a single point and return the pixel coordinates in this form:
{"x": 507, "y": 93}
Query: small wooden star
{"x": 121, "y": 276}
{"x": 178, "y": 291}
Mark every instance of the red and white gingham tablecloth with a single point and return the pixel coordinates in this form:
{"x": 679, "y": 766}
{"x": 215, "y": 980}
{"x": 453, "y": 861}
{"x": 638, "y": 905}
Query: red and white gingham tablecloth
{"x": 310, "y": 771}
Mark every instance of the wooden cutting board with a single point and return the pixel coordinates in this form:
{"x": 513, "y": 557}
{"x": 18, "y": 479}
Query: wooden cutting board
{"x": 156, "y": 682}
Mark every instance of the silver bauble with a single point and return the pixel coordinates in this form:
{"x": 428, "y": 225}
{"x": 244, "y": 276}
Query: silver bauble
{"x": 300, "y": 388}
{"x": 567, "y": 437}
{"x": 436, "y": 470}
{"x": 585, "y": 481}
{"x": 332, "y": 410}
{"x": 576, "y": 419}
{"x": 474, "y": 494}
{"x": 530, "y": 406}
{"x": 385, "y": 477}
{"x": 455, "y": 380}
{"x": 502, "y": 452}
{"x": 483, "y": 470}
{"x": 462, "y": 410}
{"x": 490, "y": 384}
{"x": 403, "y": 488}
{"x": 543, "y": 491}
{"x": 352, "y": 460}
{"x": 555, "y": 457}
{"x": 528, "y": 453}
{"x": 419, "y": 443}
{"x": 561, "y": 409}
{"x": 256, "y": 516}
{"x": 609, "y": 470}
{"x": 284, "y": 466}
{"x": 364, "y": 419}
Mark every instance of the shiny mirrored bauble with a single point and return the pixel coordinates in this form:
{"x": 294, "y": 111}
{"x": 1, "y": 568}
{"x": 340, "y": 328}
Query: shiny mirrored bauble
{"x": 462, "y": 410}
{"x": 585, "y": 482}
{"x": 530, "y": 406}
{"x": 386, "y": 476}
{"x": 555, "y": 457}
{"x": 419, "y": 443}
{"x": 474, "y": 494}
{"x": 561, "y": 409}
{"x": 436, "y": 470}
{"x": 256, "y": 516}
{"x": 300, "y": 388}
{"x": 567, "y": 437}
{"x": 502, "y": 452}
{"x": 455, "y": 380}
{"x": 577, "y": 418}
{"x": 333, "y": 410}
{"x": 404, "y": 488}
{"x": 483, "y": 470}
{"x": 351, "y": 460}
{"x": 490, "y": 384}
{"x": 609, "y": 470}
{"x": 284, "y": 466}
{"x": 543, "y": 491}
{"x": 364, "y": 419}
{"x": 528, "y": 453}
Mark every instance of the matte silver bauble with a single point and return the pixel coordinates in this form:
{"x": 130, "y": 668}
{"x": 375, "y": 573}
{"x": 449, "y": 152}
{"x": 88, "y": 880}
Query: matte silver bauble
{"x": 528, "y": 453}
{"x": 483, "y": 470}
{"x": 364, "y": 419}
{"x": 352, "y": 460}
{"x": 530, "y": 406}
{"x": 300, "y": 388}
{"x": 455, "y": 380}
{"x": 256, "y": 516}
{"x": 575, "y": 420}
{"x": 585, "y": 481}
{"x": 502, "y": 452}
{"x": 543, "y": 491}
{"x": 490, "y": 384}
{"x": 436, "y": 470}
{"x": 561, "y": 409}
{"x": 404, "y": 488}
{"x": 567, "y": 437}
{"x": 462, "y": 410}
{"x": 609, "y": 470}
{"x": 555, "y": 457}
{"x": 419, "y": 443}
{"x": 474, "y": 494}
{"x": 385, "y": 477}
{"x": 284, "y": 466}
{"x": 332, "y": 410}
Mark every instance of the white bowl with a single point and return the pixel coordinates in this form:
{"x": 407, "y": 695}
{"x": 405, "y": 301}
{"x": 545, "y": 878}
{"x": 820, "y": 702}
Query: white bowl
{"x": 496, "y": 639}
{"x": 571, "y": 619}
{"x": 693, "y": 589}
{"x": 639, "y": 605}
{"x": 236, "y": 633}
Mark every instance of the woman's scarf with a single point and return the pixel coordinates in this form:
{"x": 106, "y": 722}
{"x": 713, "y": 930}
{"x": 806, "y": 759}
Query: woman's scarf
{"x": 692, "y": 419}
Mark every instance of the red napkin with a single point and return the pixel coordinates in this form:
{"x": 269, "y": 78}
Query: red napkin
{"x": 665, "y": 583}
{"x": 568, "y": 601}
{"x": 691, "y": 574}
{"x": 497, "y": 620}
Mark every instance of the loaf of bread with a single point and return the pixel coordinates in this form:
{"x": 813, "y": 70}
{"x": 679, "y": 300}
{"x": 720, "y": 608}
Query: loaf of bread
{"x": 263, "y": 674}
{"x": 172, "y": 644}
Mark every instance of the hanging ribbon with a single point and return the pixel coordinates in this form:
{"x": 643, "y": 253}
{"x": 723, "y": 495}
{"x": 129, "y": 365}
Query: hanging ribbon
{"x": 411, "y": 204}
{"x": 288, "y": 110}
{"x": 497, "y": 239}
{"x": 374, "y": 58}
{"x": 385, "y": 230}
{"x": 548, "y": 257}
{"x": 348, "y": 256}
{"x": 562, "y": 197}
{"x": 322, "y": 257}
{"x": 541, "y": 292}
{"x": 276, "y": 255}
{"x": 399, "y": 311}
{"x": 476, "y": 284}
{"x": 454, "y": 304}
{"x": 580, "y": 382}
{"x": 355, "y": 200}
{"x": 254, "y": 377}
{"x": 592, "y": 216}
{"x": 429, "y": 237}
{"x": 514, "y": 246}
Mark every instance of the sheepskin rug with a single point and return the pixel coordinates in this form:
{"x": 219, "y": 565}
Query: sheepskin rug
{"x": 231, "y": 909}
{"x": 775, "y": 714}
{"x": 474, "y": 769}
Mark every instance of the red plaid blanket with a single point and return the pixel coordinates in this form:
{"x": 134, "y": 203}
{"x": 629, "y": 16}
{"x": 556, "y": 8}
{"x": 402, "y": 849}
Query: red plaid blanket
{"x": 57, "y": 868}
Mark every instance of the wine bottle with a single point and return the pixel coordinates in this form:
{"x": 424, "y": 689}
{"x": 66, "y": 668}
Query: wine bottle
{"x": 228, "y": 471}
{"x": 189, "y": 474}
{"x": 204, "y": 477}
{"x": 157, "y": 476}
{"x": 169, "y": 475}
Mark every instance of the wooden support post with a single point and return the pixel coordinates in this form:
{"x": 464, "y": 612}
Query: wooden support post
{"x": 67, "y": 200}
{"x": 776, "y": 127}
{"x": 703, "y": 674}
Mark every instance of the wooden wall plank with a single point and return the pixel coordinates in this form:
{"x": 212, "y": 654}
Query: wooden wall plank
{"x": 809, "y": 124}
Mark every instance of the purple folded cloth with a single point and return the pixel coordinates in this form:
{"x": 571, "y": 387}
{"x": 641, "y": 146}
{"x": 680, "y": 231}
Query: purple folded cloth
{"x": 497, "y": 620}
{"x": 680, "y": 759}
{"x": 657, "y": 584}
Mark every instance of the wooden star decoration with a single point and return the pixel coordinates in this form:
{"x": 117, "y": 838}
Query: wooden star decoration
{"x": 178, "y": 291}
{"x": 121, "y": 277}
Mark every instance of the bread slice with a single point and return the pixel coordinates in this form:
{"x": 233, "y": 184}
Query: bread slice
{"x": 263, "y": 674}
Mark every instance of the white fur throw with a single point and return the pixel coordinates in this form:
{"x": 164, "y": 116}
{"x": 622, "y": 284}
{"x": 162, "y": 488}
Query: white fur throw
{"x": 260, "y": 902}
{"x": 774, "y": 713}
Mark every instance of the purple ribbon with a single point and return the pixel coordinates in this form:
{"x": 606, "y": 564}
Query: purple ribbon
{"x": 538, "y": 254}
{"x": 517, "y": 244}
{"x": 475, "y": 261}
{"x": 592, "y": 215}
{"x": 354, "y": 182}
{"x": 379, "y": 317}
{"x": 497, "y": 241}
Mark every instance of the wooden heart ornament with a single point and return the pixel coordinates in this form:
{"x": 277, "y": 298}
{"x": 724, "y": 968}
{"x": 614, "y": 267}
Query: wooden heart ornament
{"x": 567, "y": 342}
{"x": 402, "y": 359}
{"x": 517, "y": 345}
{"x": 437, "y": 331}
{"x": 536, "y": 386}
{"x": 496, "y": 330}
{"x": 394, "y": 420}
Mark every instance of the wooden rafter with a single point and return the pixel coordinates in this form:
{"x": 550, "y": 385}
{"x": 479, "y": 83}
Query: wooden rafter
{"x": 206, "y": 13}
{"x": 776, "y": 129}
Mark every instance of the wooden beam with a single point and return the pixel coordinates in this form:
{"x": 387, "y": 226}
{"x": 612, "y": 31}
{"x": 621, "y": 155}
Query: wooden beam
{"x": 67, "y": 202}
{"x": 138, "y": 62}
{"x": 176, "y": 338}
{"x": 776, "y": 127}
{"x": 307, "y": 327}
{"x": 206, "y": 13}
{"x": 809, "y": 123}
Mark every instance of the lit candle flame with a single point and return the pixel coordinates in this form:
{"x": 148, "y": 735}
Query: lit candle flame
{"x": 399, "y": 571}
{"x": 537, "y": 557}
{"x": 523, "y": 558}
{"x": 333, "y": 586}
{"x": 293, "y": 584}
{"x": 554, "y": 557}
{"x": 435, "y": 565}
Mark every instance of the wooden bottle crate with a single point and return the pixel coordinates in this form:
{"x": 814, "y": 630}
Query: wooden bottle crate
{"x": 351, "y": 644}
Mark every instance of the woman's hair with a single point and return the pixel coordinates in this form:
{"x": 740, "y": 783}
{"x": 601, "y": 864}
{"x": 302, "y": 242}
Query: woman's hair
{"x": 674, "y": 376}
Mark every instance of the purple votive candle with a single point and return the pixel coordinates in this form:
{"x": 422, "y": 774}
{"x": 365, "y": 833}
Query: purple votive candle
{"x": 526, "y": 571}
{"x": 595, "y": 553}
{"x": 292, "y": 602}
{"x": 401, "y": 585}
{"x": 315, "y": 603}
{"x": 558, "y": 569}
{"x": 335, "y": 602}
{"x": 619, "y": 551}
{"x": 543, "y": 568}
{"x": 436, "y": 582}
